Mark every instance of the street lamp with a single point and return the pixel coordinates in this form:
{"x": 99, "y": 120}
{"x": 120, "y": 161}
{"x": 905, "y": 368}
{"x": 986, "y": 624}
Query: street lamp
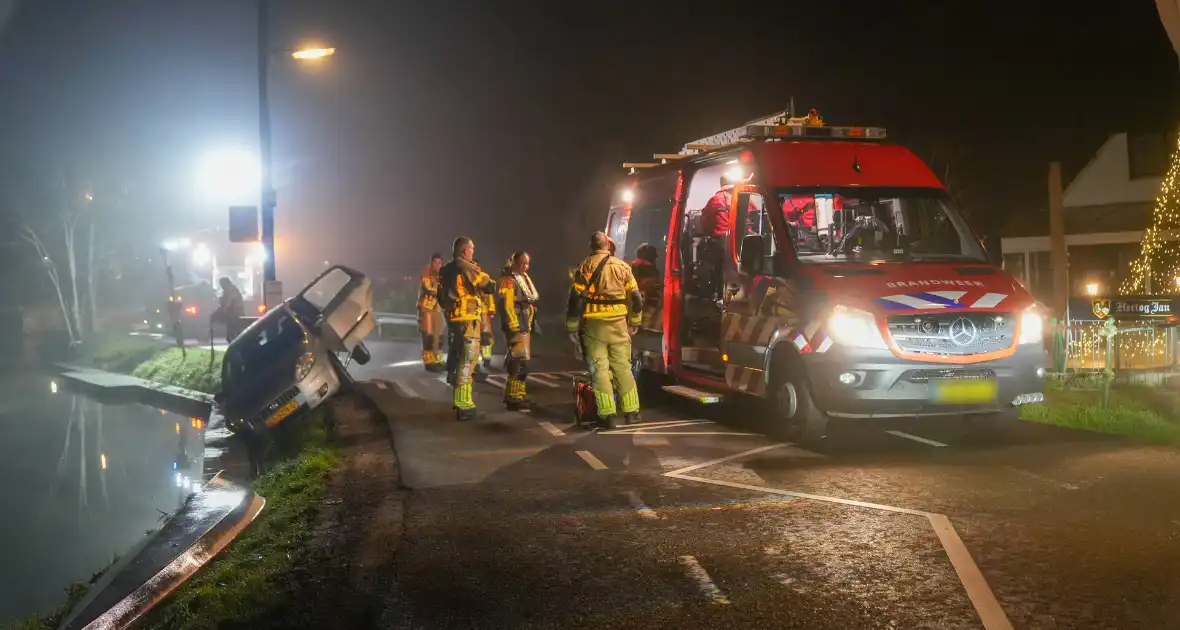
{"x": 269, "y": 196}
{"x": 313, "y": 53}
{"x": 1092, "y": 289}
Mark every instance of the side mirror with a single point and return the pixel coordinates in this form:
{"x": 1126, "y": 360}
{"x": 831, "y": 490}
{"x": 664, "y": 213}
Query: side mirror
{"x": 995, "y": 250}
{"x": 360, "y": 354}
{"x": 753, "y": 254}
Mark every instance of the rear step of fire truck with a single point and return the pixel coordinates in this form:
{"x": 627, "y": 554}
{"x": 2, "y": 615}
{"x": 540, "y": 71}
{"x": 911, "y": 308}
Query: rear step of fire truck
{"x": 694, "y": 394}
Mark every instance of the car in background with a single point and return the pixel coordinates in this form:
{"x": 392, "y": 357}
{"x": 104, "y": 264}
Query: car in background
{"x": 294, "y": 357}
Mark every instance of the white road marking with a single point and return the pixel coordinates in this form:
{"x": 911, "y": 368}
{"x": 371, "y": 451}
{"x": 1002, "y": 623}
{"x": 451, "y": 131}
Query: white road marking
{"x": 405, "y": 363}
{"x": 534, "y": 378}
{"x": 645, "y": 439}
{"x": 981, "y": 595}
{"x": 496, "y": 381}
{"x": 665, "y": 424}
{"x": 591, "y": 460}
{"x": 684, "y": 433}
{"x": 554, "y": 431}
{"x": 640, "y": 507}
{"x": 405, "y": 390}
{"x": 698, "y": 574}
{"x": 381, "y": 385}
{"x": 916, "y": 438}
{"x": 991, "y": 614}
{"x": 1044, "y": 479}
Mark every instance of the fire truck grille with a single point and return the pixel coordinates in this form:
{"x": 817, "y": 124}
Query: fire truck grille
{"x": 954, "y": 334}
{"x": 923, "y": 376}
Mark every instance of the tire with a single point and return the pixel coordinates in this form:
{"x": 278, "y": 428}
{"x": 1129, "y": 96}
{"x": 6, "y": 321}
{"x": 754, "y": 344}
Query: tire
{"x": 792, "y": 404}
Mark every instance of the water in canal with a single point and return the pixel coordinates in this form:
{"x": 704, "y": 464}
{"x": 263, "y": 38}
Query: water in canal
{"x": 84, "y": 482}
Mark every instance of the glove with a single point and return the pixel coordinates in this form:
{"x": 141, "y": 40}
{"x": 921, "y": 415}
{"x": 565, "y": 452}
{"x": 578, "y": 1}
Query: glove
{"x": 537, "y": 329}
{"x": 485, "y": 338}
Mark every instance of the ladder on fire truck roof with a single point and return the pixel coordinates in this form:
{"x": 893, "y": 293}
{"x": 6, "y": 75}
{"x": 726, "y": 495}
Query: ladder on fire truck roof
{"x": 780, "y": 126}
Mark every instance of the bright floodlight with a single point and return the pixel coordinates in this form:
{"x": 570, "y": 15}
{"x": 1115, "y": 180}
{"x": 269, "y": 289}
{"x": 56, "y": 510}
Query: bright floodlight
{"x": 230, "y": 176}
{"x": 176, "y": 244}
{"x": 628, "y": 195}
{"x": 313, "y": 53}
{"x": 202, "y": 256}
{"x": 1092, "y": 289}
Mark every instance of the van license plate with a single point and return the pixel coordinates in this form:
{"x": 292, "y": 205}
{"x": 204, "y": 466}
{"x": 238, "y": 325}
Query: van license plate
{"x": 963, "y": 392}
{"x": 282, "y": 413}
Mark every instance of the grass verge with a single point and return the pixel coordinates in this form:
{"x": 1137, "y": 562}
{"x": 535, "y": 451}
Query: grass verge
{"x": 118, "y": 353}
{"x": 1134, "y": 412}
{"x": 196, "y": 369}
{"x": 248, "y": 585}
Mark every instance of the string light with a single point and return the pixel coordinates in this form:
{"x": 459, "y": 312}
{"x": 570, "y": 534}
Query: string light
{"x": 1137, "y": 348}
{"x": 1159, "y": 259}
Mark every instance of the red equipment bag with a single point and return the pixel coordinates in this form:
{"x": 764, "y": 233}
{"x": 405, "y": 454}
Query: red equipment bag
{"x": 585, "y": 409}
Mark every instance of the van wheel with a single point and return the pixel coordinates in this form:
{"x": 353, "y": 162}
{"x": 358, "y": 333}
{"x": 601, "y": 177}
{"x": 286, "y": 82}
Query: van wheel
{"x": 793, "y": 405}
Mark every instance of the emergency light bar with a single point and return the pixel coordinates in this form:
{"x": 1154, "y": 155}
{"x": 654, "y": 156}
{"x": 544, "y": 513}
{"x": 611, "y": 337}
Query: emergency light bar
{"x": 806, "y": 131}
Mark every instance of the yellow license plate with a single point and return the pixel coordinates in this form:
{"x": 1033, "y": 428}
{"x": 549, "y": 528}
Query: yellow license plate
{"x": 965, "y": 392}
{"x": 282, "y": 413}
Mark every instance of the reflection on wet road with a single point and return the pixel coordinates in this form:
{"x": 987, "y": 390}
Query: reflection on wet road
{"x": 84, "y": 482}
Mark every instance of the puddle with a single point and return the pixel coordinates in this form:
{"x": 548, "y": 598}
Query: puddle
{"x": 85, "y": 482}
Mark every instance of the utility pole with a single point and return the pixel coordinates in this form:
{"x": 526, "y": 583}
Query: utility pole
{"x": 269, "y": 197}
{"x": 1058, "y": 255}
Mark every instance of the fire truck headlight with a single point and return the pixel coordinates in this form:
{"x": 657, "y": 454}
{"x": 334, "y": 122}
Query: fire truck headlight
{"x": 1031, "y": 326}
{"x": 855, "y": 328}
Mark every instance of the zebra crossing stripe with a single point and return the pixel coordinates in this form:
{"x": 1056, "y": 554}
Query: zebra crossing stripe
{"x": 542, "y": 380}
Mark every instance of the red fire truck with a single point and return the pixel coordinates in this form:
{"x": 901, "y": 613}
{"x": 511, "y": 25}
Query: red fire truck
{"x": 847, "y": 286}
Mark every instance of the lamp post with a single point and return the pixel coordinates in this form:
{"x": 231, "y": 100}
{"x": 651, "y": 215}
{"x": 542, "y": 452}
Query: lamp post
{"x": 269, "y": 196}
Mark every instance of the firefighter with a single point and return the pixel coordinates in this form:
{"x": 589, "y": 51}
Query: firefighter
{"x": 461, "y": 284}
{"x": 605, "y": 306}
{"x": 430, "y": 320}
{"x": 647, "y": 276}
{"x": 517, "y": 296}
{"x": 230, "y": 310}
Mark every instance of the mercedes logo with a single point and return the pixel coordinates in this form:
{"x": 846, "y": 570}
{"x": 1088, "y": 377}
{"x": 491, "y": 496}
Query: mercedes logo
{"x": 963, "y": 332}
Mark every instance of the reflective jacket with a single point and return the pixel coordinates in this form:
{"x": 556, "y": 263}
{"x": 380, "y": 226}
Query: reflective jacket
{"x": 517, "y": 296}
{"x": 613, "y": 295}
{"x": 461, "y": 284}
{"x": 428, "y": 290}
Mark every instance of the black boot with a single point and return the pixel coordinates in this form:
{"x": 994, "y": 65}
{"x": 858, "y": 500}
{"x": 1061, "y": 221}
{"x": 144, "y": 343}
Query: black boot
{"x": 632, "y": 418}
{"x": 609, "y": 423}
{"x": 466, "y": 415}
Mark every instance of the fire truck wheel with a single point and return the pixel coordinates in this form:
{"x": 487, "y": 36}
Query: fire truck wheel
{"x": 793, "y": 404}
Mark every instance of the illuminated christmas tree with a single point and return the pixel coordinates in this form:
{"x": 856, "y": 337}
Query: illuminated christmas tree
{"x": 1157, "y": 268}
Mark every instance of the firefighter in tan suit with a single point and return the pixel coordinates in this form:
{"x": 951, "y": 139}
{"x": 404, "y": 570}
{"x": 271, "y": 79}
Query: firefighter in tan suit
{"x": 462, "y": 285}
{"x": 518, "y": 319}
{"x": 430, "y": 319}
{"x": 604, "y": 306}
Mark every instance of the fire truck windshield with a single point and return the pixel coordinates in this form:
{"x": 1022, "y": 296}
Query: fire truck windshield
{"x": 890, "y": 224}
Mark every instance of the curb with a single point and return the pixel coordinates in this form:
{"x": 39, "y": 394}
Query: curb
{"x": 223, "y": 510}
{"x": 114, "y": 387}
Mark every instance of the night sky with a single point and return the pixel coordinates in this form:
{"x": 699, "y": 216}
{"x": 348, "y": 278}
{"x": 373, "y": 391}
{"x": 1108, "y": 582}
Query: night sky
{"x": 503, "y": 120}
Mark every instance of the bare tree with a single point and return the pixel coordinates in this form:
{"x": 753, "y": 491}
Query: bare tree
{"x": 31, "y": 236}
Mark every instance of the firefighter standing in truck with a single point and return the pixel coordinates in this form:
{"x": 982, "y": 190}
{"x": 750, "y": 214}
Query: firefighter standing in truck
{"x": 462, "y": 286}
{"x": 430, "y": 319}
{"x": 605, "y": 305}
{"x": 518, "y": 318}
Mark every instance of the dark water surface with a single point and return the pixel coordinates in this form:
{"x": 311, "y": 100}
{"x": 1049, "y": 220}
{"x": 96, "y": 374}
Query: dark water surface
{"x": 82, "y": 483}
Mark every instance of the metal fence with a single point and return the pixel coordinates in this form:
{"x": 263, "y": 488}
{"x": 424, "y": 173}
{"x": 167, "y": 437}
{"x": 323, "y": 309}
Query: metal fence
{"x": 1135, "y": 347}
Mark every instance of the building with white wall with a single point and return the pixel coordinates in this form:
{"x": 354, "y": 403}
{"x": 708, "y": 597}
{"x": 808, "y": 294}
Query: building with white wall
{"x": 1107, "y": 208}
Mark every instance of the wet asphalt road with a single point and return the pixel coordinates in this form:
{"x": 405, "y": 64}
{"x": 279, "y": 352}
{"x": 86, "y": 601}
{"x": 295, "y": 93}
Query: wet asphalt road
{"x": 698, "y": 519}
{"x": 83, "y": 483}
